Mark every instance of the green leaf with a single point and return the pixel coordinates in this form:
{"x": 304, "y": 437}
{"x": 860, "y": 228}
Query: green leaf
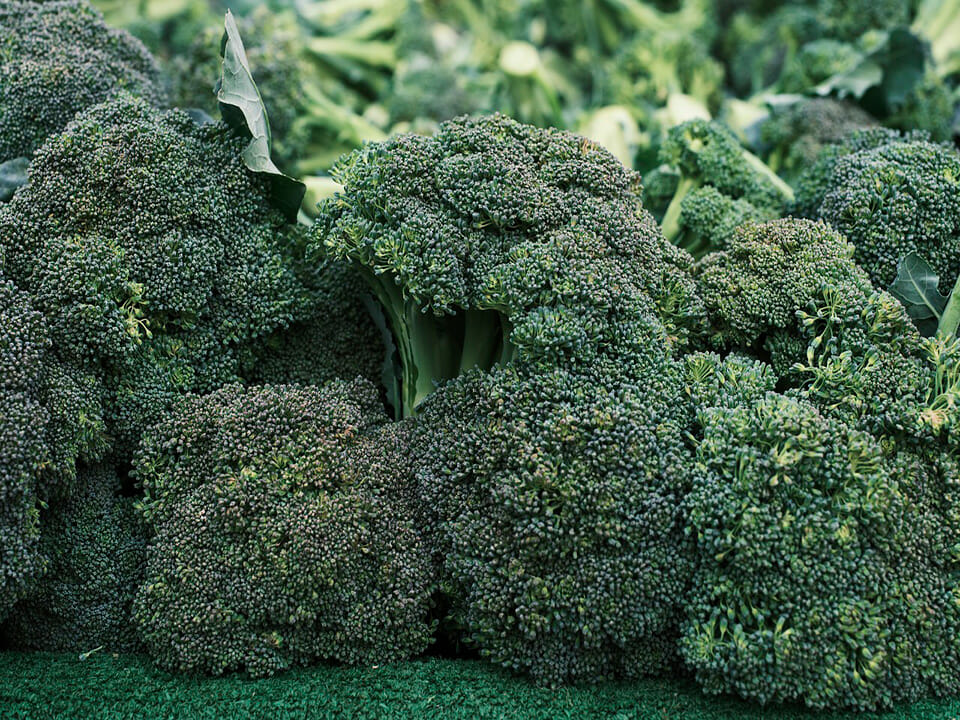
{"x": 916, "y": 286}
{"x": 889, "y": 73}
{"x": 242, "y": 109}
{"x": 13, "y": 174}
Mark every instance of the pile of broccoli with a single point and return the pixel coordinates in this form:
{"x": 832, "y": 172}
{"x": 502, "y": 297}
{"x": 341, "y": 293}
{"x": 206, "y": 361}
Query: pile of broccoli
{"x": 497, "y": 393}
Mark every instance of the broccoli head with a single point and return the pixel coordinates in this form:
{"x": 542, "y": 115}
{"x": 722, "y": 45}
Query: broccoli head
{"x": 494, "y": 241}
{"x": 824, "y": 571}
{"x": 789, "y": 291}
{"x": 153, "y": 253}
{"x": 56, "y": 59}
{"x": 900, "y": 197}
{"x": 535, "y": 308}
{"x": 93, "y": 545}
{"x": 553, "y": 503}
{"x": 281, "y": 532}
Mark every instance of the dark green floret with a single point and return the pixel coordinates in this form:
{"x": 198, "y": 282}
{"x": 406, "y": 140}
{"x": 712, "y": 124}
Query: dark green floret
{"x": 705, "y": 154}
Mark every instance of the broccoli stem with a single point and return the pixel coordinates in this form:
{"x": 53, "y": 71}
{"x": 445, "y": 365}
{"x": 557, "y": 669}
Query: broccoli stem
{"x": 762, "y": 168}
{"x": 950, "y": 320}
{"x": 433, "y": 349}
{"x": 482, "y": 339}
{"x": 671, "y": 218}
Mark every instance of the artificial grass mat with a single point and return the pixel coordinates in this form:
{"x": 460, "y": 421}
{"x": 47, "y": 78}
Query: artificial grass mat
{"x": 56, "y": 685}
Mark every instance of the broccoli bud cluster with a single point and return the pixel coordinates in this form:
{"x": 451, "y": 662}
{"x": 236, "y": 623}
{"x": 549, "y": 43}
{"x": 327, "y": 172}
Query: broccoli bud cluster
{"x": 280, "y": 532}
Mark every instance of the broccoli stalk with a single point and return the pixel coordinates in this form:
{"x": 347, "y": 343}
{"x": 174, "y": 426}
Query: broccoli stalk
{"x": 435, "y": 348}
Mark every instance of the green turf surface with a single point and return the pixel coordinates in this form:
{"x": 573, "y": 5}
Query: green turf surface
{"x": 46, "y": 685}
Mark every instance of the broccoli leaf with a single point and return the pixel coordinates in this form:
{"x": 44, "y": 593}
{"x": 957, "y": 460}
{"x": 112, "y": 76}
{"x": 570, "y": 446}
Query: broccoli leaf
{"x": 916, "y": 287}
{"x": 889, "y": 73}
{"x": 242, "y": 108}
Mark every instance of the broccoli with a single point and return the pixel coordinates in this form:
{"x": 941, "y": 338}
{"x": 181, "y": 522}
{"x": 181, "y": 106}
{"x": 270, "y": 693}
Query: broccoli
{"x": 816, "y": 180}
{"x": 534, "y": 306}
{"x": 789, "y": 291}
{"x": 52, "y": 417}
{"x": 93, "y": 546}
{"x": 153, "y": 253}
{"x": 23, "y": 345}
{"x": 793, "y": 136}
{"x": 823, "y": 571}
{"x": 889, "y": 199}
{"x": 492, "y": 241}
{"x": 705, "y": 154}
{"x": 281, "y": 532}
{"x": 56, "y": 59}
{"x": 769, "y": 272}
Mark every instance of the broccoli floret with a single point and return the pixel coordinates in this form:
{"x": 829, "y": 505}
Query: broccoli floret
{"x": 493, "y": 241}
{"x": 56, "y": 59}
{"x": 553, "y": 505}
{"x": 23, "y": 345}
{"x": 793, "y": 136}
{"x": 51, "y": 418}
{"x": 706, "y": 154}
{"x": 900, "y": 197}
{"x": 769, "y": 272}
{"x": 789, "y": 290}
{"x": 708, "y": 219}
{"x": 153, "y": 253}
{"x": 93, "y": 546}
{"x": 823, "y": 570}
{"x": 281, "y": 532}
{"x": 817, "y": 180}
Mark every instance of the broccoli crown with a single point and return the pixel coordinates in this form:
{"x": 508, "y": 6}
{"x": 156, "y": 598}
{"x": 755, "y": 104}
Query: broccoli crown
{"x": 705, "y": 153}
{"x": 152, "y": 252}
{"x": 790, "y": 290}
{"x": 895, "y": 199}
{"x": 93, "y": 545}
{"x": 796, "y": 134}
{"x": 56, "y": 59}
{"x": 553, "y": 502}
{"x": 529, "y": 291}
{"x": 280, "y": 532}
{"x": 824, "y": 571}
{"x": 494, "y": 242}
